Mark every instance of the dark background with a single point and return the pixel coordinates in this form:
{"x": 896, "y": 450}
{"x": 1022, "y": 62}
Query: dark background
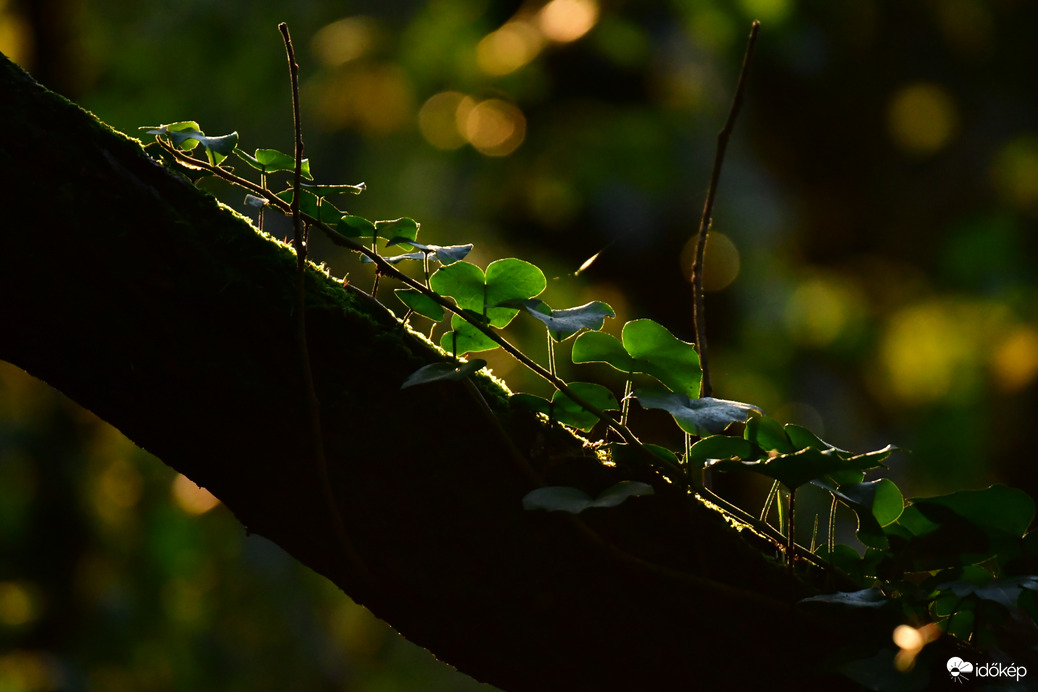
{"x": 879, "y": 202}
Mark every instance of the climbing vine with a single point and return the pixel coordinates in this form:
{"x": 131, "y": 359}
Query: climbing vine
{"x": 962, "y": 563}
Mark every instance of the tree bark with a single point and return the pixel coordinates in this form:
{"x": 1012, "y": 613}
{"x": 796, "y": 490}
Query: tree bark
{"x": 172, "y": 318}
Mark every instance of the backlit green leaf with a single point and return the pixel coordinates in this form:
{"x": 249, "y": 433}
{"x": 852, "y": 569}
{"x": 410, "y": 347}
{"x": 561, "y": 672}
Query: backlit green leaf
{"x": 562, "y": 324}
{"x": 700, "y": 417}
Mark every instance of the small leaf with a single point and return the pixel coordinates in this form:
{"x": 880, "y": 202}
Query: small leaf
{"x": 717, "y": 447}
{"x": 866, "y": 598}
{"x": 505, "y": 280}
{"x": 574, "y": 500}
{"x": 186, "y": 135}
{"x": 398, "y": 230}
{"x": 420, "y": 303}
{"x": 313, "y": 206}
{"x": 796, "y": 469}
{"x": 562, "y": 324}
{"x": 876, "y": 503}
{"x": 700, "y": 417}
{"x": 272, "y": 161}
{"x": 767, "y": 433}
{"x": 443, "y": 372}
{"x": 647, "y": 347}
{"x": 465, "y": 338}
{"x": 355, "y": 227}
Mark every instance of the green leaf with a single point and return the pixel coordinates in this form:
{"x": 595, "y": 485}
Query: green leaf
{"x": 768, "y": 434}
{"x": 398, "y": 230}
{"x": 866, "y": 598}
{"x": 186, "y": 135}
{"x": 420, "y": 303}
{"x": 574, "y": 500}
{"x": 505, "y": 280}
{"x": 796, "y": 469}
{"x": 962, "y": 528}
{"x": 314, "y": 206}
{"x": 443, "y": 372}
{"x": 465, "y": 338}
{"x": 355, "y": 227}
{"x": 562, "y": 324}
{"x": 566, "y": 411}
{"x": 718, "y": 447}
{"x": 647, "y": 347}
{"x": 272, "y": 161}
{"x": 448, "y": 254}
{"x": 599, "y": 347}
{"x": 876, "y": 503}
{"x": 659, "y": 353}
{"x": 700, "y": 417}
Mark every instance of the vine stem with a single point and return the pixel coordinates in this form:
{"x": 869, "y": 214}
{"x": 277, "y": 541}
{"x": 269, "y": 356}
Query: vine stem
{"x": 698, "y": 308}
{"x": 313, "y": 405}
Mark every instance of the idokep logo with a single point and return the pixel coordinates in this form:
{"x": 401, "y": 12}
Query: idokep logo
{"x": 960, "y": 671}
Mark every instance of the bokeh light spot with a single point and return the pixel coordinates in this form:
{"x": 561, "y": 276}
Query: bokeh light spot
{"x": 932, "y": 351}
{"x": 438, "y": 119}
{"x": 507, "y": 49}
{"x": 721, "y": 261}
{"x": 18, "y": 604}
{"x": 190, "y": 497}
{"x": 343, "y": 40}
{"x": 1015, "y": 173}
{"x": 822, "y": 309}
{"x": 1014, "y": 361}
{"x": 922, "y": 118}
{"x": 495, "y": 127}
{"x": 567, "y": 20}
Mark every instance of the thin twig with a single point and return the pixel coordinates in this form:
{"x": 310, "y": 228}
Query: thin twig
{"x": 698, "y": 309}
{"x": 312, "y": 403}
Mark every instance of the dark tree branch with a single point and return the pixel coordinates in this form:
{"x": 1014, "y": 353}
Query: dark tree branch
{"x": 172, "y": 318}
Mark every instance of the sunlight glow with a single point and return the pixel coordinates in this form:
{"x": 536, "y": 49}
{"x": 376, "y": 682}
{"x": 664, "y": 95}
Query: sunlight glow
{"x": 512, "y": 46}
{"x": 439, "y": 116}
{"x": 567, "y": 20}
{"x": 17, "y": 603}
{"x": 1014, "y": 363}
{"x": 822, "y": 309}
{"x": 191, "y": 498}
{"x": 1014, "y": 173}
{"x": 495, "y": 127}
{"x": 343, "y": 40}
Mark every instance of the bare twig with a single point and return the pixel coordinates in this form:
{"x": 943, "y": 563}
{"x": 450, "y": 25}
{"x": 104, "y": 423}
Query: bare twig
{"x": 312, "y": 403}
{"x": 698, "y": 309}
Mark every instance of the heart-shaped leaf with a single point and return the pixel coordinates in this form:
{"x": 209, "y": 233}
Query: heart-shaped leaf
{"x": 647, "y": 347}
{"x": 506, "y": 280}
{"x": 800, "y": 467}
{"x": 701, "y": 417}
{"x": 717, "y": 447}
{"x": 558, "y": 498}
{"x": 272, "y": 161}
{"x": 186, "y": 135}
{"x": 420, "y": 303}
{"x": 876, "y": 503}
{"x": 465, "y": 338}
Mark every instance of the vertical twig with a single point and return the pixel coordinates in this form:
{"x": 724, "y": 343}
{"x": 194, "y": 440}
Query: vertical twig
{"x": 698, "y": 310}
{"x": 312, "y": 403}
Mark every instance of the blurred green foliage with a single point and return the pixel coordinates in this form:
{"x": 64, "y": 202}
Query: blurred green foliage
{"x": 872, "y": 269}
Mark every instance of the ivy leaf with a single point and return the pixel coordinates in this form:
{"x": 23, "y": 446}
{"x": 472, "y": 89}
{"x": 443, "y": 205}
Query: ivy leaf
{"x": 420, "y": 303}
{"x": 355, "y": 227}
{"x": 962, "y": 528}
{"x": 876, "y": 503}
{"x": 397, "y": 231}
{"x": 443, "y": 372}
{"x": 647, "y": 347}
{"x": 562, "y": 324}
{"x": 717, "y": 447}
{"x": 769, "y": 435}
{"x": 559, "y": 498}
{"x": 465, "y": 338}
{"x": 566, "y": 411}
{"x": 701, "y": 417}
{"x": 866, "y": 598}
{"x": 272, "y": 161}
{"x": 186, "y": 135}
{"x": 800, "y": 467}
{"x": 448, "y": 254}
{"x": 483, "y": 293}
{"x": 313, "y": 206}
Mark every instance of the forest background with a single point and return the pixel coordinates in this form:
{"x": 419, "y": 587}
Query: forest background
{"x": 871, "y": 274}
